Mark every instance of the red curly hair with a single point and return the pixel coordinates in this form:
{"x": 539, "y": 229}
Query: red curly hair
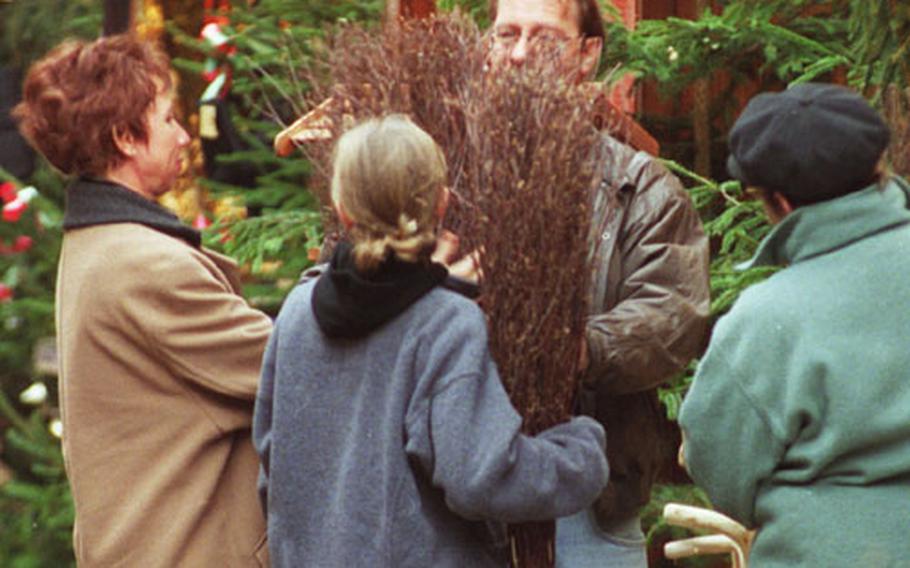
{"x": 80, "y": 93}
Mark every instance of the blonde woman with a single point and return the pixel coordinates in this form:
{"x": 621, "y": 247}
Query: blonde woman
{"x": 385, "y": 434}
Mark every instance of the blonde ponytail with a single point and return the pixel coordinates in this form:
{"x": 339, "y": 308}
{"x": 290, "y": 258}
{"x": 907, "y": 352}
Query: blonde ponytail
{"x": 388, "y": 177}
{"x": 408, "y": 244}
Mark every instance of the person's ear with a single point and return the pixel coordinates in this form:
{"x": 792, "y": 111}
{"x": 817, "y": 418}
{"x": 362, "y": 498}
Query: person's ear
{"x": 346, "y": 221}
{"x": 590, "y": 57}
{"x": 782, "y": 204}
{"x": 124, "y": 141}
{"x": 776, "y": 205}
{"x": 442, "y": 204}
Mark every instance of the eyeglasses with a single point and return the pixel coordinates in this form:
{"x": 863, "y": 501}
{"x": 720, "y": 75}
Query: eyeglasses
{"x": 542, "y": 38}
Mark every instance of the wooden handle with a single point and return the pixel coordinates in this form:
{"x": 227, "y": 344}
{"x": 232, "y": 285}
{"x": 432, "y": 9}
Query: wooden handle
{"x": 733, "y": 539}
{"x": 696, "y": 546}
{"x": 698, "y": 518}
{"x": 314, "y": 126}
{"x": 711, "y": 544}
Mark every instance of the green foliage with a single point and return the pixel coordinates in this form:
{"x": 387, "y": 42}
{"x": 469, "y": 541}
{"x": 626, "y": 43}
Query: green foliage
{"x": 477, "y": 9}
{"x": 28, "y": 28}
{"x": 736, "y": 224}
{"x": 659, "y": 532}
{"x": 36, "y": 510}
{"x": 747, "y": 38}
{"x": 880, "y": 36}
{"x": 29, "y": 274}
{"x": 754, "y": 42}
{"x": 35, "y": 507}
{"x": 274, "y": 40}
{"x": 760, "y": 42}
{"x": 286, "y": 234}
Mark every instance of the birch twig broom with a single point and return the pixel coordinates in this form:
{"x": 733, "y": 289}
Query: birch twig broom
{"x": 523, "y": 159}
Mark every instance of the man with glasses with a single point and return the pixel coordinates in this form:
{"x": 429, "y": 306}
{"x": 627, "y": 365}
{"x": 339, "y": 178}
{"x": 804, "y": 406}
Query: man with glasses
{"x": 651, "y": 297}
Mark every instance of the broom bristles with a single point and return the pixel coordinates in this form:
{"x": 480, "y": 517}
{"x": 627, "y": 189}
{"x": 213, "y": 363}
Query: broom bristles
{"x": 524, "y": 158}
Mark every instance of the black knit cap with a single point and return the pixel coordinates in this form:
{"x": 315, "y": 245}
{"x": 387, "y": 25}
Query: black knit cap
{"x": 811, "y": 143}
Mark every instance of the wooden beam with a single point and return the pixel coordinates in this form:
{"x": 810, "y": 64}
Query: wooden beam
{"x": 406, "y": 9}
{"x": 118, "y": 16}
{"x": 417, "y": 8}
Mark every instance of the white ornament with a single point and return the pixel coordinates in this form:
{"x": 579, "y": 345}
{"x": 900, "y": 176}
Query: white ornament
{"x": 34, "y": 395}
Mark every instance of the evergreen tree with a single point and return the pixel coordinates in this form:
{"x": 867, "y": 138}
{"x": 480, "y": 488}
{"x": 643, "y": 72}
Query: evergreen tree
{"x": 742, "y": 44}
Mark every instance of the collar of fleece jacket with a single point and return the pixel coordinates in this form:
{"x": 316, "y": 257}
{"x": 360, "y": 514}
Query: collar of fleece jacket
{"x": 820, "y": 228}
{"x": 91, "y": 202}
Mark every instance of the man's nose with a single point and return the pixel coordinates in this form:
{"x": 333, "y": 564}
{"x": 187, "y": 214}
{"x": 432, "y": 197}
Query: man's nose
{"x": 519, "y": 52}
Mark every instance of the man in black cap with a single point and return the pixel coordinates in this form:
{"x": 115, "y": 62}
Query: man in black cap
{"x": 798, "y": 422}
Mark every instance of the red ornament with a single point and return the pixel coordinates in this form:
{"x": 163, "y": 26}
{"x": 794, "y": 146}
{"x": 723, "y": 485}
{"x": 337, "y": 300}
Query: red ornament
{"x": 14, "y": 209}
{"x": 6, "y": 293}
{"x": 212, "y": 33}
{"x": 201, "y": 222}
{"x": 7, "y": 191}
{"x": 23, "y": 243}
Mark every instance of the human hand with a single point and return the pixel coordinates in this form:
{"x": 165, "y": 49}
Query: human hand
{"x": 681, "y": 456}
{"x": 467, "y": 267}
{"x": 583, "y": 360}
{"x": 447, "y": 248}
{"x": 447, "y": 244}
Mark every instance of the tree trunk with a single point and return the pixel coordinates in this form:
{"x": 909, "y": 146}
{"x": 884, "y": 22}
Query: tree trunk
{"x": 118, "y": 16}
{"x": 404, "y": 9}
{"x": 701, "y": 114}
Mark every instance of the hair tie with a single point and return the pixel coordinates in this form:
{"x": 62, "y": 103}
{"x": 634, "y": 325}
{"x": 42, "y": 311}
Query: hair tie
{"x": 406, "y": 225}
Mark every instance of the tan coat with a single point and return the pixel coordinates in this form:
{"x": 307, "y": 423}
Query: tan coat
{"x": 159, "y": 359}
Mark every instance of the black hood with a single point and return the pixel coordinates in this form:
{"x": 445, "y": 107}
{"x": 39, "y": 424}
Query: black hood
{"x": 349, "y": 304}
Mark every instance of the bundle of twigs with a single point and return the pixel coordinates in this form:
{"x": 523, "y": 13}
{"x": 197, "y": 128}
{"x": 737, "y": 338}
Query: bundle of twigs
{"x": 526, "y": 180}
{"x": 418, "y": 68}
{"x": 523, "y": 160}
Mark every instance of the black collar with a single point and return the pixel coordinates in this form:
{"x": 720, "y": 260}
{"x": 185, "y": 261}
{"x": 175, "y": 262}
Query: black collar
{"x": 91, "y": 202}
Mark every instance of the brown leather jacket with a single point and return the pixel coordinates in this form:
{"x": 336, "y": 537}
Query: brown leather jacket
{"x": 649, "y": 315}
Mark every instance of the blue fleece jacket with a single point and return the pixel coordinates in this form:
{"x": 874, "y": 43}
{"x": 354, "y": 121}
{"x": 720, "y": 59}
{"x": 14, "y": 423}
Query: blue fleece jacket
{"x": 393, "y": 449}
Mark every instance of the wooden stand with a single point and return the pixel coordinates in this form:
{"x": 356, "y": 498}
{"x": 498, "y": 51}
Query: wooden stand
{"x": 732, "y": 538}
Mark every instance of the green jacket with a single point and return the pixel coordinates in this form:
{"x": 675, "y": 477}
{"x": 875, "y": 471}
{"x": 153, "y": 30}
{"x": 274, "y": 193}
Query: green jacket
{"x": 798, "y": 422}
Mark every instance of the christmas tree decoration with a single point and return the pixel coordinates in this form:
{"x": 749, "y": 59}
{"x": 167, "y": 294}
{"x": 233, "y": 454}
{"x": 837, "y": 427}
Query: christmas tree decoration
{"x": 217, "y": 68}
{"x": 740, "y": 45}
{"x": 230, "y": 209}
{"x": 150, "y": 24}
{"x": 201, "y": 222}
{"x": 211, "y": 32}
{"x": 34, "y": 395}
{"x": 23, "y": 243}
{"x": 8, "y": 191}
{"x": 14, "y": 209}
{"x": 55, "y": 427}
